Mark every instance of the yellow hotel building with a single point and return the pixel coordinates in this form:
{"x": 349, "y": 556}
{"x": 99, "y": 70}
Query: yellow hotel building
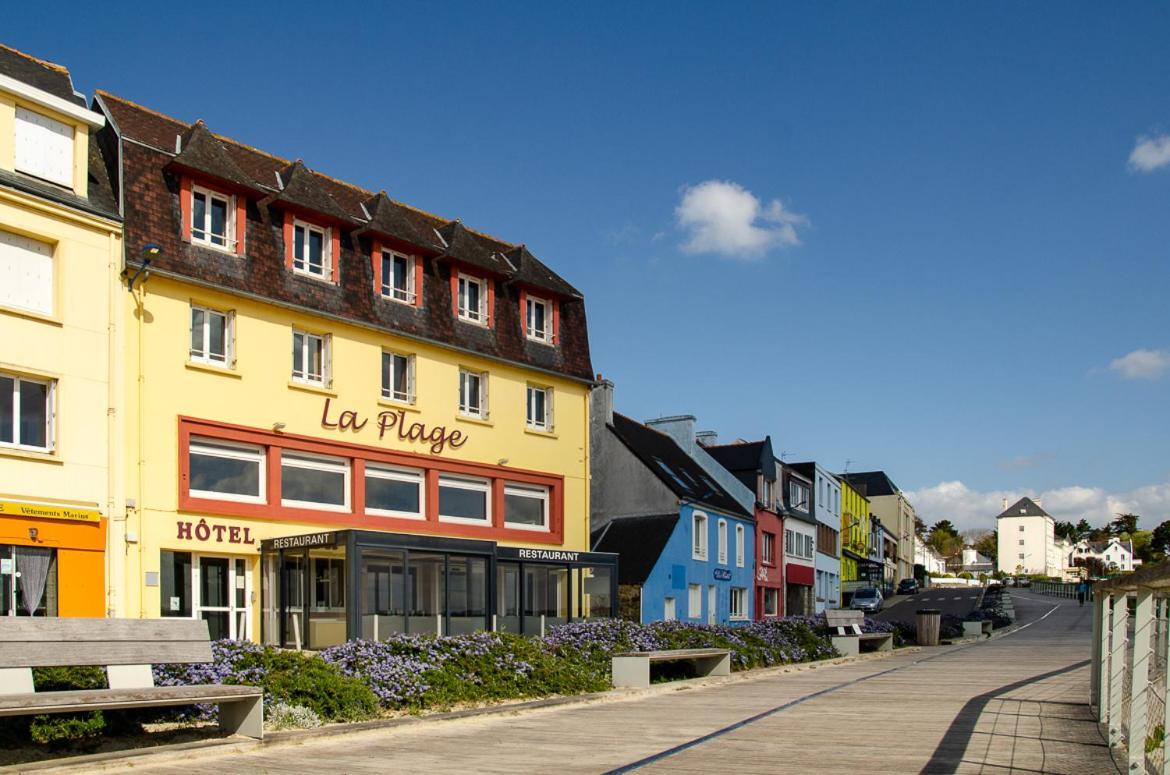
{"x": 855, "y": 534}
{"x": 350, "y": 418}
{"x": 60, "y": 369}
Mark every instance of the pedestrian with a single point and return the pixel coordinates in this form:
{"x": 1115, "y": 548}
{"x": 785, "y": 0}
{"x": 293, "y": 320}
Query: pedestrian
{"x": 1082, "y": 591}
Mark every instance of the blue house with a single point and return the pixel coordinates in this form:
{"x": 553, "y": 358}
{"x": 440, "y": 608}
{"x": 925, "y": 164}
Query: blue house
{"x": 686, "y": 547}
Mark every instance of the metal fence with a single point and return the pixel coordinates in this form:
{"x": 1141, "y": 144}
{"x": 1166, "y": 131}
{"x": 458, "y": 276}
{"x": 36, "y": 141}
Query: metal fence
{"x": 1131, "y": 646}
{"x": 1055, "y": 589}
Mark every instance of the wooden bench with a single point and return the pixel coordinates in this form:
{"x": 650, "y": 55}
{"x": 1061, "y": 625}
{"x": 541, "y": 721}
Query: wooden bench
{"x": 977, "y": 628}
{"x": 126, "y": 648}
{"x": 632, "y": 669}
{"x": 849, "y": 637}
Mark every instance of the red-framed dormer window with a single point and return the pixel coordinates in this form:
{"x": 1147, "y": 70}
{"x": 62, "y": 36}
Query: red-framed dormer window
{"x": 473, "y": 297}
{"x": 311, "y": 249}
{"x": 541, "y": 316}
{"x": 212, "y": 216}
{"x": 397, "y": 276}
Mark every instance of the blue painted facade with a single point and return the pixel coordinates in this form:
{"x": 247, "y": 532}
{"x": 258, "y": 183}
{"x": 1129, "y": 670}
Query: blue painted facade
{"x": 677, "y": 568}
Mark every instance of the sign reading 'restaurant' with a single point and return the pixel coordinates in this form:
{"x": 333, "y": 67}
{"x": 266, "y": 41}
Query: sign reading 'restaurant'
{"x": 438, "y": 437}
{"x": 300, "y": 542}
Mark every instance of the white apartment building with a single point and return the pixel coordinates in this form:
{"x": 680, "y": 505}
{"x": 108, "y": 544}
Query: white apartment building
{"x": 1027, "y": 540}
{"x": 1114, "y": 553}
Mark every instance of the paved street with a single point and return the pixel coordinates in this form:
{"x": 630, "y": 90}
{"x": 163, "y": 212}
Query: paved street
{"x": 1012, "y": 704}
{"x": 958, "y": 601}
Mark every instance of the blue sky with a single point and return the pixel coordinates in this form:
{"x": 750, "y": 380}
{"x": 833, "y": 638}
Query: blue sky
{"x": 947, "y": 250}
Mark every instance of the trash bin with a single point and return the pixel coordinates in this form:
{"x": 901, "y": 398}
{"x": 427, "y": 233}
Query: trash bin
{"x": 929, "y": 620}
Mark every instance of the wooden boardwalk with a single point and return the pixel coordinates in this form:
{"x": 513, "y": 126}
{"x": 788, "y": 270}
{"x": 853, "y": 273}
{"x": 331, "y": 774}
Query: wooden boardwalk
{"x": 1010, "y": 705}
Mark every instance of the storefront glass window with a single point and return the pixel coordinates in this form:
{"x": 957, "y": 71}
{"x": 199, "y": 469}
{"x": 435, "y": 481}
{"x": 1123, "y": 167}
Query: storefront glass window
{"x": 526, "y": 506}
{"x": 508, "y": 597}
{"x": 327, "y": 625}
{"x": 546, "y": 594}
{"x": 598, "y": 591}
{"x": 394, "y": 491}
{"x": 464, "y": 499}
{"x": 383, "y": 594}
{"x": 292, "y": 594}
{"x": 466, "y": 594}
{"x": 227, "y": 471}
{"x": 314, "y": 482}
{"x": 28, "y": 581}
{"x": 427, "y": 594}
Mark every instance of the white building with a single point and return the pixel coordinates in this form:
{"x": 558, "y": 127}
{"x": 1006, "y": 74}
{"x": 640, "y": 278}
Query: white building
{"x": 1115, "y": 554}
{"x": 976, "y": 563}
{"x": 1027, "y": 540}
{"x": 928, "y": 558}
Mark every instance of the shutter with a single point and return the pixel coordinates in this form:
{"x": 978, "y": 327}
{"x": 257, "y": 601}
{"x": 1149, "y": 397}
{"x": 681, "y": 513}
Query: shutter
{"x": 483, "y": 395}
{"x": 44, "y": 147}
{"x": 26, "y": 273}
{"x": 327, "y": 360}
{"x": 230, "y": 335}
{"x": 410, "y": 378}
{"x": 548, "y": 410}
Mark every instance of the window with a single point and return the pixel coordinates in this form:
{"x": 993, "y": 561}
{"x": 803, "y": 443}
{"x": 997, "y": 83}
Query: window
{"x": 1021, "y": 528}
{"x": 668, "y": 610}
{"x": 1021, "y": 556}
{"x": 398, "y": 277}
{"x": 808, "y": 547}
{"x": 212, "y": 336}
{"x": 798, "y": 495}
{"x": 738, "y": 603}
{"x": 398, "y": 377}
{"x": 28, "y": 587}
{"x": 472, "y": 299}
{"x": 766, "y": 492}
{"x": 473, "y": 393}
{"x": 219, "y": 469}
{"x": 311, "y": 358}
{"x": 538, "y": 320}
{"x": 789, "y": 543}
{"x": 539, "y": 408}
{"x": 328, "y": 583}
{"x": 739, "y": 546}
{"x": 1021, "y": 542}
{"x": 768, "y": 549}
{"x": 722, "y": 538}
{"x": 771, "y": 601}
{"x": 695, "y": 601}
{"x": 699, "y": 536}
{"x": 26, "y": 413}
{"x": 463, "y": 499}
{"x": 44, "y": 148}
{"x": 312, "y": 250}
{"x": 314, "y": 482}
{"x": 26, "y": 273}
{"x": 213, "y": 218}
{"x": 526, "y": 506}
{"x": 394, "y": 492}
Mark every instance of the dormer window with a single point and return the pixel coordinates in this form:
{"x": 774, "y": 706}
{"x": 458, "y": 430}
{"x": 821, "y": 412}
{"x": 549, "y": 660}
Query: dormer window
{"x": 538, "y": 320}
{"x": 213, "y": 218}
{"x": 398, "y": 277}
{"x": 473, "y": 298}
{"x": 43, "y": 148}
{"x": 312, "y": 250}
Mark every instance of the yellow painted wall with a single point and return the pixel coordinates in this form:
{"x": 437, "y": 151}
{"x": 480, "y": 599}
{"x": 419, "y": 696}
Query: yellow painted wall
{"x": 8, "y": 103}
{"x": 257, "y": 393}
{"x": 854, "y": 529}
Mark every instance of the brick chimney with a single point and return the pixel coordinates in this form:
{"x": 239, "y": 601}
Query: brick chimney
{"x": 601, "y": 401}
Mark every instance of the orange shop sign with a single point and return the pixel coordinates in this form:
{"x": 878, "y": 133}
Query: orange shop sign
{"x": 49, "y": 511}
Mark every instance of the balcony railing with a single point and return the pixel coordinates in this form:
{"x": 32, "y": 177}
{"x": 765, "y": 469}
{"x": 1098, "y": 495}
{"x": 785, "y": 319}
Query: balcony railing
{"x": 1131, "y": 643}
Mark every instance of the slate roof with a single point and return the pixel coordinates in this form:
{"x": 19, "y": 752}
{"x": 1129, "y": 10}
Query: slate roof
{"x": 876, "y": 483}
{"x": 1024, "y": 507}
{"x": 674, "y": 467}
{"x": 531, "y": 271}
{"x": 39, "y": 74}
{"x": 201, "y": 151}
{"x": 740, "y": 457}
{"x": 638, "y": 541}
{"x": 150, "y": 199}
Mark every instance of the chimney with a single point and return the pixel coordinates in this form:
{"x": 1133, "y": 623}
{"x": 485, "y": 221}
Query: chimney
{"x": 601, "y": 401}
{"x": 680, "y": 427}
{"x": 707, "y": 438}
{"x": 1004, "y": 507}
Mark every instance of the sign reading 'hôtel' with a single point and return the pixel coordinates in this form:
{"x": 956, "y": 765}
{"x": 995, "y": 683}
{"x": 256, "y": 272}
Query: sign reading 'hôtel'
{"x": 438, "y": 437}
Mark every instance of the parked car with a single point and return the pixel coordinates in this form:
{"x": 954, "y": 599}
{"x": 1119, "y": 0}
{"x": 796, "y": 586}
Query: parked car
{"x": 1023, "y": 581}
{"x": 867, "y": 599}
{"x": 1009, "y": 582}
{"x": 908, "y": 587}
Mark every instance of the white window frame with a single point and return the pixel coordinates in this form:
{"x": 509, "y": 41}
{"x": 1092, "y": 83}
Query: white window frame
{"x": 477, "y": 316}
{"x": 231, "y": 450}
{"x": 24, "y": 263}
{"x": 50, "y": 414}
{"x": 482, "y": 393}
{"x": 669, "y": 609}
{"x": 409, "y": 475}
{"x": 774, "y": 594}
{"x": 229, "y": 238}
{"x": 475, "y": 484}
{"x": 388, "y": 380}
{"x": 699, "y": 537}
{"x": 27, "y": 129}
{"x": 407, "y": 295}
{"x": 795, "y": 490}
{"x": 326, "y": 250}
{"x": 229, "y": 338}
{"x": 740, "y": 546}
{"x": 766, "y": 495}
{"x": 544, "y": 424}
{"x": 325, "y": 378}
{"x": 531, "y": 302}
{"x": 311, "y": 462}
{"x": 768, "y": 548}
{"x": 694, "y": 601}
{"x": 721, "y": 541}
{"x": 738, "y": 612}
{"x": 534, "y": 491}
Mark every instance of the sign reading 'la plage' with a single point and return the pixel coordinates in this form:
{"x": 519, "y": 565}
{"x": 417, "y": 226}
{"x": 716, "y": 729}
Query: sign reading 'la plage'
{"x": 395, "y": 420}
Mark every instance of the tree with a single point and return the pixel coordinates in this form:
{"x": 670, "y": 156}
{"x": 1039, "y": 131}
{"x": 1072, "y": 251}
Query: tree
{"x": 1125, "y": 523}
{"x": 1083, "y": 529}
{"x": 919, "y": 527}
{"x": 1093, "y": 565}
{"x": 945, "y": 527}
{"x": 1143, "y": 546}
{"x": 988, "y": 545}
{"x": 1067, "y": 530}
{"x": 1160, "y": 538}
{"x": 944, "y": 539}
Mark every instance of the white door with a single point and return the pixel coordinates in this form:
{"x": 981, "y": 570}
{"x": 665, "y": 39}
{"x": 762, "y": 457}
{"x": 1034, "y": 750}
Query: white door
{"x": 668, "y": 610}
{"x": 712, "y": 602}
{"x": 222, "y": 592}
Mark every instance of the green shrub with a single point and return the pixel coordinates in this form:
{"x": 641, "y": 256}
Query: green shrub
{"x": 68, "y": 728}
{"x": 299, "y": 679}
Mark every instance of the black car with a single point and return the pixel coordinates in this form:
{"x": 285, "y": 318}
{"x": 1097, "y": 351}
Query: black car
{"x": 908, "y": 587}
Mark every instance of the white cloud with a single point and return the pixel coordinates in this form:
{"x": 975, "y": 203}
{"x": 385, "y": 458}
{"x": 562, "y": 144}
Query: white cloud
{"x": 725, "y": 218}
{"x": 1150, "y": 153}
{"x": 968, "y": 508}
{"x": 1142, "y": 364}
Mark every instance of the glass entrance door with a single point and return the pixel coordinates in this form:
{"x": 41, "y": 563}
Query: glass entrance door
{"x": 223, "y": 598}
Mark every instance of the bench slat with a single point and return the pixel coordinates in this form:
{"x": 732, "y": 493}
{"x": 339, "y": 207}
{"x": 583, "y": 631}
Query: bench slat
{"x": 49, "y": 629}
{"x": 97, "y": 699}
{"x": 675, "y": 653}
{"x": 52, "y": 642}
{"x": 837, "y": 617}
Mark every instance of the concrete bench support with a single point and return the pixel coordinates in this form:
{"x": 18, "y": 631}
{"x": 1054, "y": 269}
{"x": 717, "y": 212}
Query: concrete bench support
{"x": 632, "y": 670}
{"x": 976, "y": 629}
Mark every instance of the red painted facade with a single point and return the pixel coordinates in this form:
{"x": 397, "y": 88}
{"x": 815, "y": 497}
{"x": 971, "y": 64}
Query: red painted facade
{"x": 769, "y": 575}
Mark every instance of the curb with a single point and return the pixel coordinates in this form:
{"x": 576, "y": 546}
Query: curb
{"x": 175, "y": 752}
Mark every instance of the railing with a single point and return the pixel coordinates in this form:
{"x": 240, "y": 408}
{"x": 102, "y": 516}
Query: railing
{"x": 1055, "y": 589}
{"x": 1131, "y": 643}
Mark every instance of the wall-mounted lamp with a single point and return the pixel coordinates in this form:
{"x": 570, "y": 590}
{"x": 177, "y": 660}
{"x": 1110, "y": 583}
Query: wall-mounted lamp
{"x": 150, "y": 252}
{"x": 278, "y": 426}
{"x": 502, "y": 461}
{"x": 32, "y": 534}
